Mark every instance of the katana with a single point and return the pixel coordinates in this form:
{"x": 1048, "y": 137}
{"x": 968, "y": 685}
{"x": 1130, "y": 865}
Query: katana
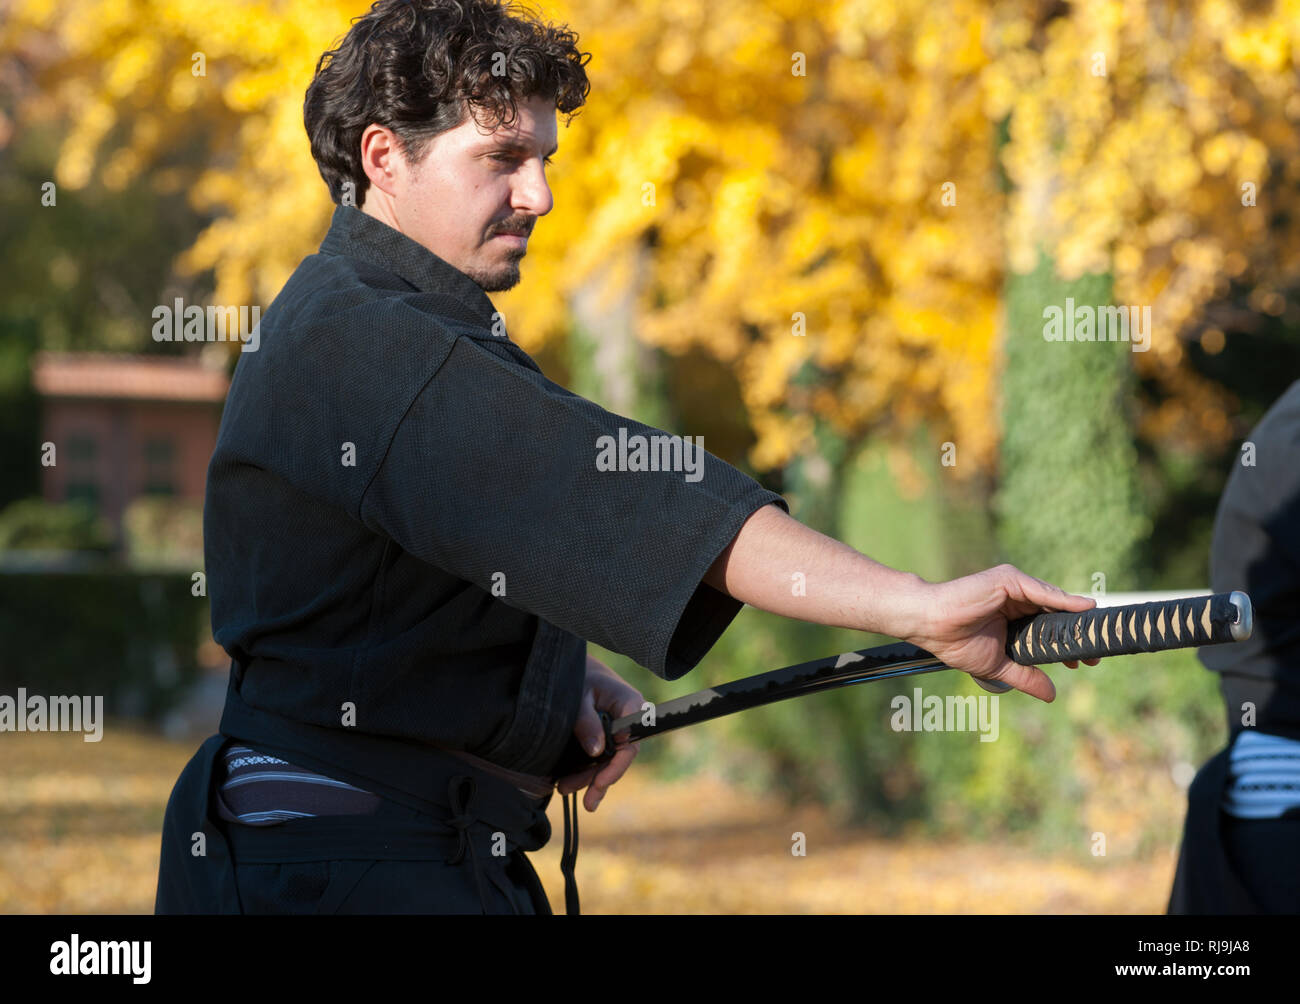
{"x": 1038, "y": 639}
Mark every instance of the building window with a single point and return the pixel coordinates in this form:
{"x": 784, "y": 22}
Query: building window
{"x": 82, "y": 484}
{"x": 81, "y": 452}
{"x": 83, "y": 491}
{"x": 159, "y": 467}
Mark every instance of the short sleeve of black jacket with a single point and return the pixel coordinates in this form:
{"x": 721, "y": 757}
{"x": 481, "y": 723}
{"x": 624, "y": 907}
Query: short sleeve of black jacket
{"x": 492, "y": 474}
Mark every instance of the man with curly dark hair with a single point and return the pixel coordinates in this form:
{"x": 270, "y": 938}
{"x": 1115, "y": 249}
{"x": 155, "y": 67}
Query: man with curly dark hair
{"x": 409, "y": 537}
{"x": 440, "y": 86}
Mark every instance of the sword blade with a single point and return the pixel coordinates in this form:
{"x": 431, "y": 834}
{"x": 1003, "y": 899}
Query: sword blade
{"x": 826, "y": 673}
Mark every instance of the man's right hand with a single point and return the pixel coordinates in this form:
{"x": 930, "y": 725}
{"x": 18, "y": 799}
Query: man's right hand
{"x": 964, "y": 623}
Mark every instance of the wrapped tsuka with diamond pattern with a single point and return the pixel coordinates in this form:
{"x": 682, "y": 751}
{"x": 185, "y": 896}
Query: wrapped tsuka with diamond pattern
{"x": 1125, "y": 630}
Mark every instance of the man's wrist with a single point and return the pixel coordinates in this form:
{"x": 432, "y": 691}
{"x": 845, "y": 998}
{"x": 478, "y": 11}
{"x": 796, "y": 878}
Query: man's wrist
{"x": 777, "y": 564}
{"x": 902, "y": 608}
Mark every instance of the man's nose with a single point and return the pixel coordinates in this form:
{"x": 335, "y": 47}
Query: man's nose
{"x": 532, "y": 194}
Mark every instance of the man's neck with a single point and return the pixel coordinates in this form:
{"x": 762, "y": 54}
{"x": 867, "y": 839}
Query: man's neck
{"x": 381, "y": 209}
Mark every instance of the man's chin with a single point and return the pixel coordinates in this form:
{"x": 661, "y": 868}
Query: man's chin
{"x": 497, "y": 280}
{"x": 501, "y": 284}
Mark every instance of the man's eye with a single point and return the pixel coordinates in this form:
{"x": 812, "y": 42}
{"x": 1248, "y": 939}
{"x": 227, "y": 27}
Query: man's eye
{"x": 508, "y": 156}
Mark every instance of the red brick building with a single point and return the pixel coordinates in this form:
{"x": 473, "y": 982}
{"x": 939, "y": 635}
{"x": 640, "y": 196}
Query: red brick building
{"x": 127, "y": 425}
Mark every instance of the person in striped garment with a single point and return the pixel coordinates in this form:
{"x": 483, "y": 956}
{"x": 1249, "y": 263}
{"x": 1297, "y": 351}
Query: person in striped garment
{"x": 1241, "y": 840}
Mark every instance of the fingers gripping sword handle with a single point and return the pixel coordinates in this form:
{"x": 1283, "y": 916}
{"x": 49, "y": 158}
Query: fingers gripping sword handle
{"x": 576, "y": 759}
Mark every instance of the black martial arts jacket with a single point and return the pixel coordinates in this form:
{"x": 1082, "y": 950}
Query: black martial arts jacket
{"x": 1256, "y": 548}
{"x": 409, "y": 538}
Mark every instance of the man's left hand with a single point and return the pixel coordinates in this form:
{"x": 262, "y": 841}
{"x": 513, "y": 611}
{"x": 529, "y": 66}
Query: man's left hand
{"x": 604, "y": 690}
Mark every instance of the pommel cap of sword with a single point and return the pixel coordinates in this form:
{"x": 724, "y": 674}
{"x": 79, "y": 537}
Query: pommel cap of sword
{"x": 1244, "y": 625}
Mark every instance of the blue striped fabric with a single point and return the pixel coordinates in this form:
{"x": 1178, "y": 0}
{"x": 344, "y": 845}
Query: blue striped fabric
{"x": 1263, "y": 776}
{"x": 258, "y": 789}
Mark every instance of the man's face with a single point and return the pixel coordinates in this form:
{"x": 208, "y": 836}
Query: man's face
{"x": 471, "y": 187}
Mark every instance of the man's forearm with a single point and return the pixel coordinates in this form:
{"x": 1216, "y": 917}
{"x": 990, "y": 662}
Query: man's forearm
{"x": 779, "y": 565}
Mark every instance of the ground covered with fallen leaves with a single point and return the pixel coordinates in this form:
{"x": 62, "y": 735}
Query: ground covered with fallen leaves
{"x": 80, "y": 826}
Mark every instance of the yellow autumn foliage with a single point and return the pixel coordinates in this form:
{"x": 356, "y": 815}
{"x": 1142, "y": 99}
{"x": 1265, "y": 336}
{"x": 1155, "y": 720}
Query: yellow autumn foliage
{"x": 822, "y": 180}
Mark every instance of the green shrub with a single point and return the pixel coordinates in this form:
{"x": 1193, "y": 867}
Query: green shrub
{"x": 132, "y": 638}
{"x": 164, "y": 531}
{"x": 33, "y": 524}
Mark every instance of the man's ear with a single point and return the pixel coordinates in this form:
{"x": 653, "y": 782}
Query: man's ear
{"x": 381, "y": 157}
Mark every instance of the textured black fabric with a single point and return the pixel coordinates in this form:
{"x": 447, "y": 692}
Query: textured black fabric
{"x": 1206, "y": 880}
{"x": 1234, "y": 866}
{"x": 1266, "y": 853}
{"x": 1256, "y": 548}
{"x": 462, "y": 853}
{"x": 376, "y": 887}
{"x": 195, "y": 872}
{"x": 1228, "y": 865}
{"x": 396, "y": 861}
{"x": 373, "y": 584}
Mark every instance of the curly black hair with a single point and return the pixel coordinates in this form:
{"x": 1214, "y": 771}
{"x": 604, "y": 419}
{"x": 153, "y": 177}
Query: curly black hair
{"x": 418, "y": 67}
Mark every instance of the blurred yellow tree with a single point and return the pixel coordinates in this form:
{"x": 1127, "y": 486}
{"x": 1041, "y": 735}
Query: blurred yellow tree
{"x": 808, "y": 184}
{"x": 1157, "y": 141}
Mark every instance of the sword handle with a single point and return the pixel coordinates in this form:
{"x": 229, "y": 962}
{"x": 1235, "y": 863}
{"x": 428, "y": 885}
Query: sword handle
{"x": 1129, "y": 629}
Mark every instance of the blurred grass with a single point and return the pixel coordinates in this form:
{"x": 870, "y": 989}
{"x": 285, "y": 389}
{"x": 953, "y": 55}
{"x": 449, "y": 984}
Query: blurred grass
{"x": 706, "y": 846}
{"x": 80, "y": 825}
